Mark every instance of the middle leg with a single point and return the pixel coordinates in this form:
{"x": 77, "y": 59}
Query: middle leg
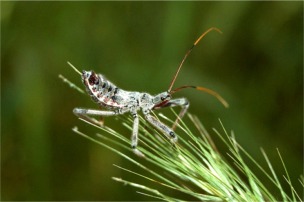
{"x": 134, "y": 137}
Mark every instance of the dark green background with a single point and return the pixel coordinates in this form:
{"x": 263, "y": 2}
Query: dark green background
{"x": 256, "y": 64}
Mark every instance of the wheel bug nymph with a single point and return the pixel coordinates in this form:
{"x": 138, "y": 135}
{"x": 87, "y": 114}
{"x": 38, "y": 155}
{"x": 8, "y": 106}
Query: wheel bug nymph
{"x": 119, "y": 101}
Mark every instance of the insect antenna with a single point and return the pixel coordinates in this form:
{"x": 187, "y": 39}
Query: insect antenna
{"x": 75, "y": 69}
{"x": 211, "y": 92}
{"x": 188, "y": 52}
{"x": 207, "y": 90}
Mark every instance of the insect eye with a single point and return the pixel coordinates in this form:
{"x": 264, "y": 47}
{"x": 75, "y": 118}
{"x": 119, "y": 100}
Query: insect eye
{"x": 93, "y": 79}
{"x": 164, "y": 97}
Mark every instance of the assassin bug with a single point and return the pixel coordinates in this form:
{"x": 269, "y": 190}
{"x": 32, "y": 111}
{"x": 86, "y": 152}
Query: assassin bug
{"x": 119, "y": 101}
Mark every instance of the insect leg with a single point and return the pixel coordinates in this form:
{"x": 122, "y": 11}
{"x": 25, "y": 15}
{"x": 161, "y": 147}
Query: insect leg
{"x": 159, "y": 125}
{"x": 182, "y": 102}
{"x": 83, "y": 114}
{"x": 134, "y": 137}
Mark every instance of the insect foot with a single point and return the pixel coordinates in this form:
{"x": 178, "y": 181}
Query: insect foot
{"x": 138, "y": 153}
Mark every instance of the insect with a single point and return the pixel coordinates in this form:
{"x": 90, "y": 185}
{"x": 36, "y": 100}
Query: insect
{"x": 118, "y": 101}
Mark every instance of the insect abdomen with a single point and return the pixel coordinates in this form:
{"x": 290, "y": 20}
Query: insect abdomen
{"x": 106, "y": 93}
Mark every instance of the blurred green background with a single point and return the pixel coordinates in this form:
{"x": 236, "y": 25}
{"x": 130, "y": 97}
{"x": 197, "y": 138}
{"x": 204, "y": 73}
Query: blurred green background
{"x": 256, "y": 65}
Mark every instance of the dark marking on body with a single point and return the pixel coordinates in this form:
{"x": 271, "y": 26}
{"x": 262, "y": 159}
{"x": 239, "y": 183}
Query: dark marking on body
{"x": 110, "y": 88}
{"x": 104, "y": 85}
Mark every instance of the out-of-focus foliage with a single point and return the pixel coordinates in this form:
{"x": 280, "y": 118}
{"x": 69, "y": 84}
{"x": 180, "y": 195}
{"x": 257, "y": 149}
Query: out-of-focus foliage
{"x": 256, "y": 64}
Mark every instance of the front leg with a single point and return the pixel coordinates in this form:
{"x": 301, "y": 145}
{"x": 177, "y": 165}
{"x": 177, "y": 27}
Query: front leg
{"x": 182, "y": 102}
{"x": 162, "y": 127}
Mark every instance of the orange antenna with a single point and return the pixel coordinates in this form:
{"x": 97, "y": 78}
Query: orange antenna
{"x": 188, "y": 52}
{"x": 211, "y": 92}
